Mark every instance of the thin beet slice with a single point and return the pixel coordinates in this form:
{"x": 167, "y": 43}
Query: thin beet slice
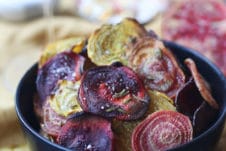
{"x": 109, "y": 43}
{"x": 64, "y": 66}
{"x": 156, "y": 65}
{"x": 201, "y": 84}
{"x": 51, "y": 122}
{"x": 188, "y": 99}
{"x": 65, "y": 99}
{"x": 162, "y": 130}
{"x": 87, "y": 133}
{"x": 112, "y": 91}
{"x": 203, "y": 118}
{"x": 74, "y": 44}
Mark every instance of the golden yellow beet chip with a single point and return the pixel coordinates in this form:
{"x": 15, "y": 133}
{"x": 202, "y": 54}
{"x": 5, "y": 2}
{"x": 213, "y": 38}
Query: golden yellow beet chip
{"x": 110, "y": 43}
{"x": 74, "y": 44}
{"x": 123, "y": 133}
{"x": 156, "y": 65}
{"x": 159, "y": 101}
{"x": 64, "y": 101}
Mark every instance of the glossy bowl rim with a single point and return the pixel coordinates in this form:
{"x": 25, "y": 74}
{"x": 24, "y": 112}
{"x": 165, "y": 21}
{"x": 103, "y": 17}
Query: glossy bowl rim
{"x": 216, "y": 124}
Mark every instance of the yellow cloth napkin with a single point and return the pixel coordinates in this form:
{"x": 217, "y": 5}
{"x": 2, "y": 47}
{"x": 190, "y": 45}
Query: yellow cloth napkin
{"x": 20, "y": 47}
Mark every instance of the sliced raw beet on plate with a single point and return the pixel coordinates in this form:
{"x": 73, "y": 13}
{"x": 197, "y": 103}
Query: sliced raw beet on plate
{"x": 162, "y": 130}
{"x": 156, "y": 65}
{"x": 64, "y": 66}
{"x": 87, "y": 132}
{"x": 111, "y": 91}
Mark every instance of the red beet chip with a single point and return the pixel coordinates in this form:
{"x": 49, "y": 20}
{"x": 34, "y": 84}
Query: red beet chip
{"x": 201, "y": 84}
{"x": 112, "y": 91}
{"x": 64, "y": 66}
{"x": 162, "y": 130}
{"x": 51, "y": 122}
{"x": 87, "y": 133}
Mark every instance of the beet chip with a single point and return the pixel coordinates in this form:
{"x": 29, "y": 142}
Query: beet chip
{"x": 190, "y": 102}
{"x": 162, "y": 130}
{"x": 51, "y": 122}
{"x": 111, "y": 91}
{"x": 157, "y": 66}
{"x": 87, "y": 133}
{"x": 64, "y": 66}
{"x": 201, "y": 84}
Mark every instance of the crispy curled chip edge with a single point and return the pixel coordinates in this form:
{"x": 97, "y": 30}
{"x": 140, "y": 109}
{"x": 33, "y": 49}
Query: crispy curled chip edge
{"x": 74, "y": 44}
{"x": 201, "y": 84}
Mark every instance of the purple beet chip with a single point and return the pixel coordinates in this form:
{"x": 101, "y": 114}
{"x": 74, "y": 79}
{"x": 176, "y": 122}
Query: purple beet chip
{"x": 64, "y": 66}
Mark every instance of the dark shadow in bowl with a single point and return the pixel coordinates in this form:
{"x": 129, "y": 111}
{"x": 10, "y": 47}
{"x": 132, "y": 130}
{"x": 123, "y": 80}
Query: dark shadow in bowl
{"x": 206, "y": 141}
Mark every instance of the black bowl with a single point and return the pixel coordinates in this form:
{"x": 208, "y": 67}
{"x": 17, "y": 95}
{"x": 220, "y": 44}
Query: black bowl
{"x": 206, "y": 141}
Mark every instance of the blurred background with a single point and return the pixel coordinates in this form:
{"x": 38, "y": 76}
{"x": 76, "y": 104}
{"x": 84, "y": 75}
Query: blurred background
{"x": 27, "y": 26}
